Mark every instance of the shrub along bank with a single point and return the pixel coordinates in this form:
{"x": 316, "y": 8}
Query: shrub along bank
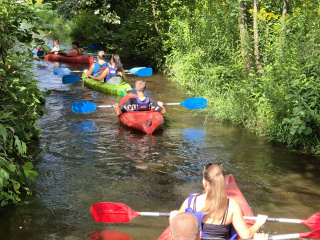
{"x": 20, "y": 100}
{"x": 264, "y": 77}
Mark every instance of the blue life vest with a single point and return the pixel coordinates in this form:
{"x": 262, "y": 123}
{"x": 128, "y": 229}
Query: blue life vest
{"x": 143, "y": 106}
{"x": 199, "y": 215}
{"x": 112, "y": 73}
{"x": 98, "y": 68}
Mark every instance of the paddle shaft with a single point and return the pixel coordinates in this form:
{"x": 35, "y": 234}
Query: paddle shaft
{"x": 276, "y": 237}
{"x": 109, "y": 106}
{"x": 171, "y": 104}
{"x": 154, "y": 214}
{"x": 284, "y": 220}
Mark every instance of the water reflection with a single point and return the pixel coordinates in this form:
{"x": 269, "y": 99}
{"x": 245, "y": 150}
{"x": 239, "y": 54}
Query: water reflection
{"x": 107, "y": 234}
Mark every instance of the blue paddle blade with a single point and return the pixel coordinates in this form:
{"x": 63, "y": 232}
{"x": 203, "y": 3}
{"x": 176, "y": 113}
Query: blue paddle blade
{"x": 84, "y": 107}
{"x": 40, "y": 53}
{"x": 94, "y": 46}
{"x": 141, "y": 71}
{"x": 194, "y": 103}
{"x": 61, "y": 71}
{"x": 70, "y": 79}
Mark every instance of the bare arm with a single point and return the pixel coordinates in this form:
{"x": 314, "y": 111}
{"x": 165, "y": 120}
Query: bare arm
{"x": 124, "y": 76}
{"x": 240, "y": 224}
{"x": 71, "y": 53}
{"x": 90, "y": 71}
{"x": 117, "y": 109}
{"x": 102, "y": 76}
{"x": 163, "y": 111}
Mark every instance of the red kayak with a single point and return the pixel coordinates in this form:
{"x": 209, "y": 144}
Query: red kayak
{"x": 144, "y": 121}
{"x": 62, "y": 58}
{"x": 233, "y": 192}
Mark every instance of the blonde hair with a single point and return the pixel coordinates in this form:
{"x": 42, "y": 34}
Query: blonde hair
{"x": 216, "y": 200}
{"x": 101, "y": 55}
{"x": 184, "y": 226}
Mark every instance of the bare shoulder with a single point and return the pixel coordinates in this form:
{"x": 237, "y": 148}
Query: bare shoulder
{"x": 233, "y": 205}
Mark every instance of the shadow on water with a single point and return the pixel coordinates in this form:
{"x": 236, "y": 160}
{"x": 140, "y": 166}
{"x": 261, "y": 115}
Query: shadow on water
{"x": 88, "y": 158}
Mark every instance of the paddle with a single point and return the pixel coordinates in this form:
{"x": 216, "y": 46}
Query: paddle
{"x": 93, "y": 46}
{"x": 313, "y": 235}
{"x": 312, "y": 222}
{"x": 63, "y": 71}
{"x": 109, "y": 212}
{"x": 121, "y": 213}
{"x": 141, "y": 72}
{"x": 87, "y": 107}
{"x": 70, "y": 79}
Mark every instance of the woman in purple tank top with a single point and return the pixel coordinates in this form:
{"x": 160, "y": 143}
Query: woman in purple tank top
{"x": 115, "y": 69}
{"x": 215, "y": 211}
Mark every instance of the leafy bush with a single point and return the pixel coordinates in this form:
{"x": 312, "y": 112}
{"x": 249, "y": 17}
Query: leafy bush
{"x": 20, "y": 100}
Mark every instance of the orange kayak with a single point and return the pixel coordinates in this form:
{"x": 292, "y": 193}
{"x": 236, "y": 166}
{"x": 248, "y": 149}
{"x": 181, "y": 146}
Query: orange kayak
{"x": 233, "y": 192}
{"x": 143, "y": 121}
{"x": 62, "y": 58}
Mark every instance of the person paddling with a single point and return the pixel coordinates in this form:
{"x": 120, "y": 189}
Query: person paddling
{"x": 75, "y": 50}
{"x": 97, "y": 68}
{"x": 215, "y": 211}
{"x": 139, "y": 102}
{"x": 115, "y": 69}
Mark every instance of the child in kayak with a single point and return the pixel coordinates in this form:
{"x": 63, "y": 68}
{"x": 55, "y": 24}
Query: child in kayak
{"x": 139, "y": 102}
{"x": 56, "y": 48}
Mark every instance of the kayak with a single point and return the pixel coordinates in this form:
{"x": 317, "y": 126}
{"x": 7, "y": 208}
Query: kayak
{"x": 117, "y": 89}
{"x": 233, "y": 192}
{"x": 62, "y": 58}
{"x": 143, "y": 121}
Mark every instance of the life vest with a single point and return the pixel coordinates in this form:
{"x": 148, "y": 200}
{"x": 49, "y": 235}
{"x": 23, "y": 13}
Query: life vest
{"x": 112, "y": 73}
{"x": 98, "y": 68}
{"x": 199, "y": 215}
{"x": 143, "y": 105}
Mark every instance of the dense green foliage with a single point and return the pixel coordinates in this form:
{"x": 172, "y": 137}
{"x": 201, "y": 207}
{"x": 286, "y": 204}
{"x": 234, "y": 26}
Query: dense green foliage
{"x": 283, "y": 103}
{"x": 199, "y": 44}
{"x": 20, "y": 100}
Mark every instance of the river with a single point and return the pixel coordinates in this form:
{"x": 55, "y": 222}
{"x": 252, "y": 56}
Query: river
{"x": 89, "y": 158}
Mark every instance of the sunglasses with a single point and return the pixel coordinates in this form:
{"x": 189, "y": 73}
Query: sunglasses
{"x": 209, "y": 164}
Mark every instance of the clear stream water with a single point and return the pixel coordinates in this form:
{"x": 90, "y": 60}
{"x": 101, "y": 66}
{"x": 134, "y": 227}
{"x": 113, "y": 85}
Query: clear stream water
{"x": 89, "y": 158}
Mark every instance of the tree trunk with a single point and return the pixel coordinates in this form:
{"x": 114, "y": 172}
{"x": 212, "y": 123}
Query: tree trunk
{"x": 256, "y": 38}
{"x": 285, "y": 8}
{"x": 244, "y": 36}
{"x": 283, "y": 24}
{"x": 157, "y": 29}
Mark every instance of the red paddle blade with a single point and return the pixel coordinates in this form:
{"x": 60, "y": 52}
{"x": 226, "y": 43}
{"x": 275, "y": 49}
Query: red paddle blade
{"x": 312, "y": 222}
{"x": 314, "y": 234}
{"x": 108, "y": 212}
{"x": 107, "y": 234}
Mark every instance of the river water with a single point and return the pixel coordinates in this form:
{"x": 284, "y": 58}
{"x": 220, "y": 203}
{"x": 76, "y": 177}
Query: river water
{"x": 89, "y": 158}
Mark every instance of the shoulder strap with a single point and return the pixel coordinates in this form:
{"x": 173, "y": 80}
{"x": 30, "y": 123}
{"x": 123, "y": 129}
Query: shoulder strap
{"x": 192, "y": 196}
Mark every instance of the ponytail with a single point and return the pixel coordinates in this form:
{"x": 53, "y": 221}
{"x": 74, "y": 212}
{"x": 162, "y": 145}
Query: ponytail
{"x": 216, "y": 200}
